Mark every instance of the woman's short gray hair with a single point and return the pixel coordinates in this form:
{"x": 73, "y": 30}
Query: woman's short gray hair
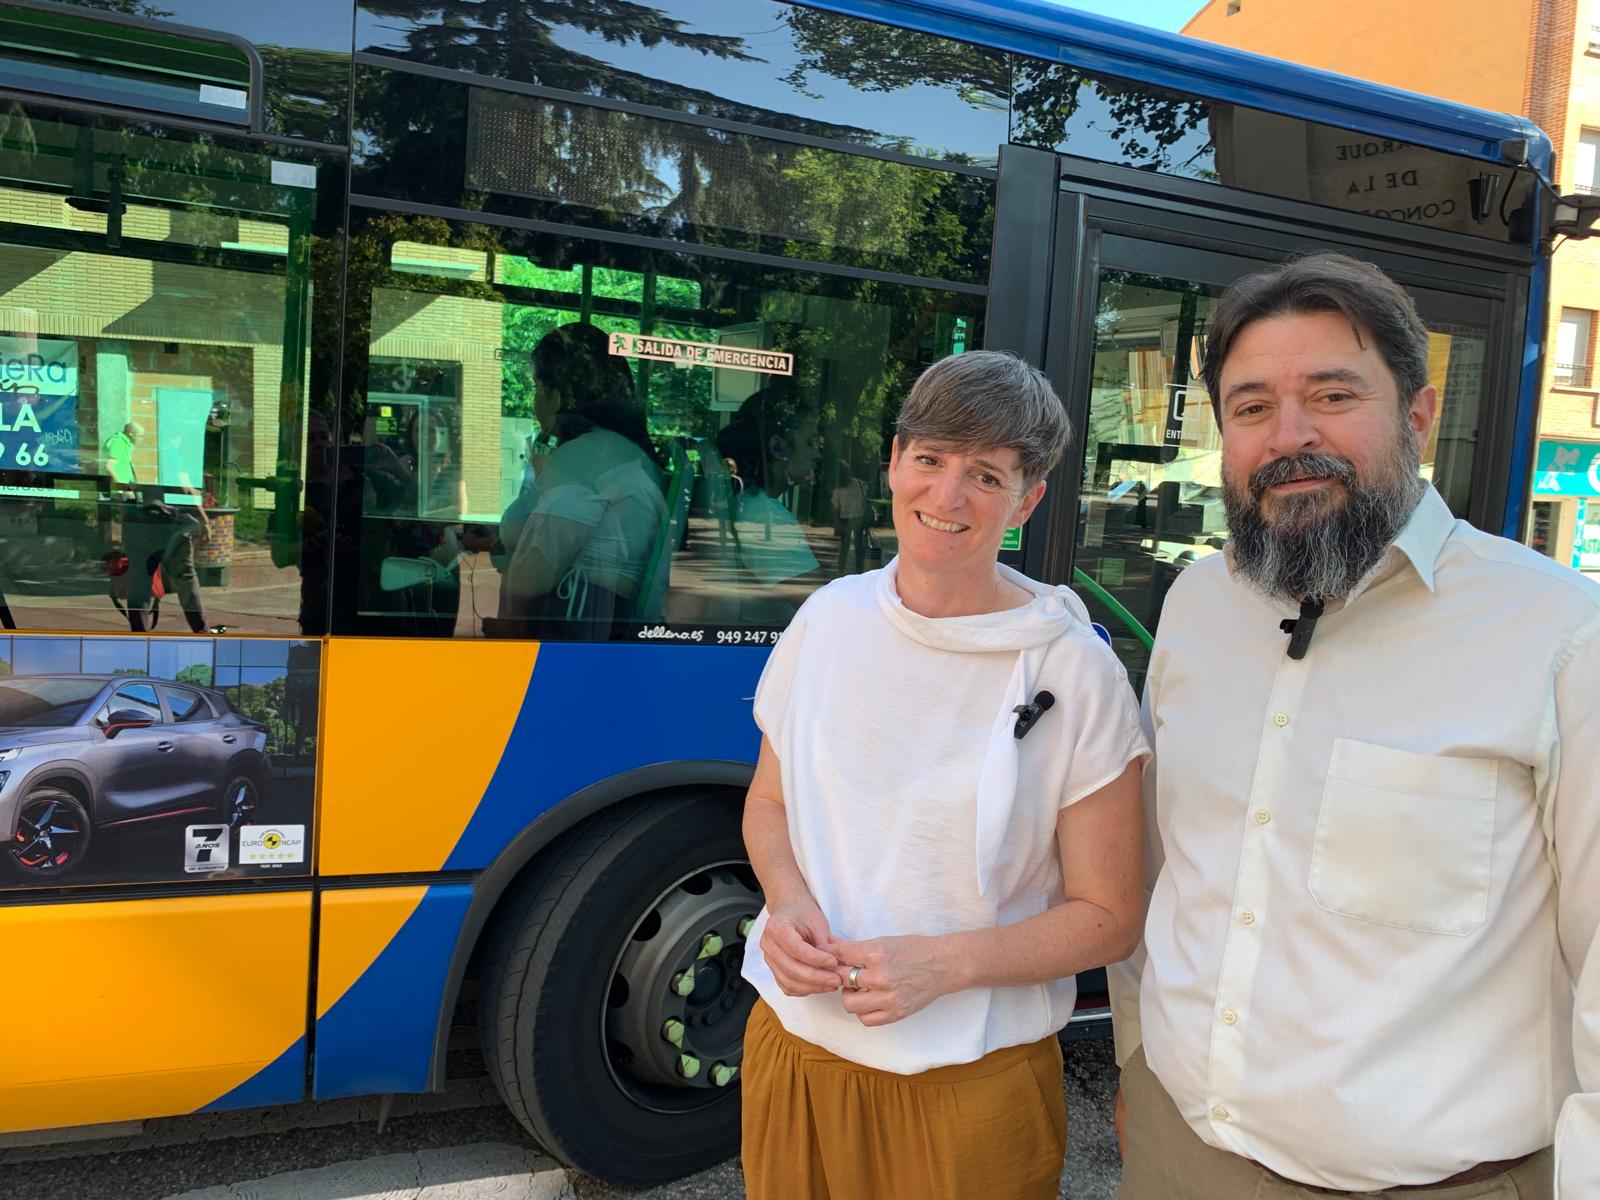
{"x": 983, "y": 400}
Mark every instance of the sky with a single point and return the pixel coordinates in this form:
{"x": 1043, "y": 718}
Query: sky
{"x": 1161, "y": 14}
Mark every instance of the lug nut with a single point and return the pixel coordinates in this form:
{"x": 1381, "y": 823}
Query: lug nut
{"x": 745, "y": 926}
{"x": 722, "y": 1074}
{"x": 683, "y": 982}
{"x": 711, "y": 945}
{"x": 672, "y": 1032}
{"x": 688, "y": 1066}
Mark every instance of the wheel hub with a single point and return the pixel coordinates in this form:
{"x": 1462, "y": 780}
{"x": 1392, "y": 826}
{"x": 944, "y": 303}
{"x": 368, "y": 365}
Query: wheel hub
{"x": 678, "y": 1004}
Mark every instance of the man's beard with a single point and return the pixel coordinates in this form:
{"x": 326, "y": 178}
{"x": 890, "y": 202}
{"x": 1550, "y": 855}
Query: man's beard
{"x": 1313, "y": 545}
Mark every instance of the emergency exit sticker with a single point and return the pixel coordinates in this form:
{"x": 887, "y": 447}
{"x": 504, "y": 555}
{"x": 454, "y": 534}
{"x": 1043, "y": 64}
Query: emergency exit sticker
{"x": 262, "y": 845}
{"x": 1012, "y": 539}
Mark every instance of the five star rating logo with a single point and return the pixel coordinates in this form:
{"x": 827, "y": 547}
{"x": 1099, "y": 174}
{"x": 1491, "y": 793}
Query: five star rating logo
{"x": 272, "y": 845}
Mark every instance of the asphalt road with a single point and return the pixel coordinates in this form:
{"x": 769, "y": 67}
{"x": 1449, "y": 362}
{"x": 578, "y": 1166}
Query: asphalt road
{"x": 459, "y": 1145}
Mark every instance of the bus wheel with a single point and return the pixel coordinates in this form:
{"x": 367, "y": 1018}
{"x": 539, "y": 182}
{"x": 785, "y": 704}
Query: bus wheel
{"x": 611, "y": 1008}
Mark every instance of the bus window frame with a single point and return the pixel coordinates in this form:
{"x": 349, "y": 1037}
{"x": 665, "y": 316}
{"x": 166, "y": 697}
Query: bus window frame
{"x": 255, "y": 100}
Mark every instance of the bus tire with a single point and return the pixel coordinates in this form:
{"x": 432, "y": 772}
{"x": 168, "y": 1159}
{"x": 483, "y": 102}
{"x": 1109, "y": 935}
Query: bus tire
{"x": 610, "y": 1005}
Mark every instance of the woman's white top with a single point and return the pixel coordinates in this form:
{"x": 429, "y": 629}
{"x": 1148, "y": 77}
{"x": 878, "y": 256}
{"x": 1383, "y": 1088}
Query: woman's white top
{"x": 913, "y": 808}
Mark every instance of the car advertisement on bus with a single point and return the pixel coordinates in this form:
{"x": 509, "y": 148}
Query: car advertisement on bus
{"x": 139, "y": 759}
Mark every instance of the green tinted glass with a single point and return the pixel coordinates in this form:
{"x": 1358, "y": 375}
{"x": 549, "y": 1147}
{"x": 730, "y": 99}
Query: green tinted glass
{"x": 579, "y": 440}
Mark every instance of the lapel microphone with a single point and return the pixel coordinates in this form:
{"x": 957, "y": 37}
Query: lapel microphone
{"x": 1299, "y": 629}
{"x": 1029, "y": 714}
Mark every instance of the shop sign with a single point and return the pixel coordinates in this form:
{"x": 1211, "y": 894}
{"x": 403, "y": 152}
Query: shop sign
{"x": 1567, "y": 469}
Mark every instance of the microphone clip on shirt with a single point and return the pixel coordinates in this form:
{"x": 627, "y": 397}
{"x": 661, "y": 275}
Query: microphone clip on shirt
{"x": 1301, "y": 628}
{"x": 1029, "y": 714}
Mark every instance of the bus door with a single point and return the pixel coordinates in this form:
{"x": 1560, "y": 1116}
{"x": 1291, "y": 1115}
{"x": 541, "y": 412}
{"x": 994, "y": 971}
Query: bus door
{"x": 155, "y": 843}
{"x": 1130, "y": 297}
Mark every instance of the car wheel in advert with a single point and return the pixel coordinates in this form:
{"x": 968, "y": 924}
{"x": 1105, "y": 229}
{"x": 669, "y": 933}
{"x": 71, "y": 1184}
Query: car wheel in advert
{"x": 53, "y": 833}
{"x": 615, "y": 959}
{"x": 241, "y": 801}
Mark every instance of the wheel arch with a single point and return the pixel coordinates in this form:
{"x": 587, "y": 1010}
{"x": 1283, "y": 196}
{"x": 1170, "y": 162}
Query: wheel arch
{"x": 61, "y": 773}
{"x": 248, "y": 762}
{"x": 539, "y": 835}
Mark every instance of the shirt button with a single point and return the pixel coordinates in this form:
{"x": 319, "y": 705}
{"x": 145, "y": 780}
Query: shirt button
{"x": 1281, "y": 720}
{"x": 1219, "y": 1113}
{"x": 1229, "y": 1017}
{"x": 1262, "y": 816}
{"x": 1247, "y": 917}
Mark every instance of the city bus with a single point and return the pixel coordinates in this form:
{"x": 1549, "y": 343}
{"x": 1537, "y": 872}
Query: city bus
{"x": 419, "y": 418}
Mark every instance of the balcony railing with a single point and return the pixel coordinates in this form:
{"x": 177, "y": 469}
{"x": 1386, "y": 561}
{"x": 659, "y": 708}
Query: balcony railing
{"x": 1573, "y": 375}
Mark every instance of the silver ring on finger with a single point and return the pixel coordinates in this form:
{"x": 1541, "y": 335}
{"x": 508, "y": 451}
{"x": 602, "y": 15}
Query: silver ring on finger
{"x": 853, "y": 979}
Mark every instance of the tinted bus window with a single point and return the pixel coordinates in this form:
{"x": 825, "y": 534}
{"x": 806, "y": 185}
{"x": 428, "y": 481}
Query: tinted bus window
{"x": 1130, "y": 124}
{"x": 156, "y": 438}
{"x": 580, "y": 440}
{"x": 305, "y": 55}
{"x": 753, "y": 61}
{"x": 439, "y": 142}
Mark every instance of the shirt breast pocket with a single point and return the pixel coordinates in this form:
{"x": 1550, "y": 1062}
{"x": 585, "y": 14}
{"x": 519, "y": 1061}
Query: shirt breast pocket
{"x": 1405, "y": 839}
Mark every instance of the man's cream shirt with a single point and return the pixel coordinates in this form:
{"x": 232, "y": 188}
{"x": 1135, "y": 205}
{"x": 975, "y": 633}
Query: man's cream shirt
{"x": 1371, "y": 956}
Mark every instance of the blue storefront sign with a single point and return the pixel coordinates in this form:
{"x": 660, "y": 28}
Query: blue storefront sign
{"x": 1567, "y": 469}
{"x": 39, "y": 405}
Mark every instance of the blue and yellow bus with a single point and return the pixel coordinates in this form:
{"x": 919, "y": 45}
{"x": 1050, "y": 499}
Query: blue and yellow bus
{"x": 418, "y": 417}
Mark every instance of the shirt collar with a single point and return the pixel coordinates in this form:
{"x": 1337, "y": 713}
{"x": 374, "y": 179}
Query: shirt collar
{"x": 1424, "y": 535}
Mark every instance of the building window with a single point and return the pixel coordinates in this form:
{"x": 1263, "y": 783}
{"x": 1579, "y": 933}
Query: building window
{"x": 1234, "y": 6}
{"x": 1594, "y": 40}
{"x": 1586, "y": 178}
{"x": 1573, "y": 340}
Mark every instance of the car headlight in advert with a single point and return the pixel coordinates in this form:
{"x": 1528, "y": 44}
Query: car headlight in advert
{"x": 8, "y": 755}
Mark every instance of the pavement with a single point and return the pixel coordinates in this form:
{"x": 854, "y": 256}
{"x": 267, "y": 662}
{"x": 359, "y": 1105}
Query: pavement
{"x": 460, "y": 1144}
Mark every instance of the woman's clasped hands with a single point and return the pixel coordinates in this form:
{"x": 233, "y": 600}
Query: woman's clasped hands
{"x": 881, "y": 980}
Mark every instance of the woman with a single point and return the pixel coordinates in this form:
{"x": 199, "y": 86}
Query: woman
{"x": 579, "y": 542}
{"x": 933, "y": 877}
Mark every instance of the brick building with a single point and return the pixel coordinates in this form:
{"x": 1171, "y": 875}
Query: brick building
{"x": 1536, "y": 58}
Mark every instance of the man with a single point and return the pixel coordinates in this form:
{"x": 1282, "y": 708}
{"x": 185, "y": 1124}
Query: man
{"x": 1370, "y": 961}
{"x": 119, "y": 453}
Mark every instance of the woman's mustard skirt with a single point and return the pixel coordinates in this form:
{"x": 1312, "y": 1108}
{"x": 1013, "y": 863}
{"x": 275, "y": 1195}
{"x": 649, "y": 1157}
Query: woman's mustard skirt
{"x": 819, "y": 1127}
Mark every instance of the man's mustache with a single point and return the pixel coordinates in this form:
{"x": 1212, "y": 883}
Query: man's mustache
{"x": 1300, "y": 466}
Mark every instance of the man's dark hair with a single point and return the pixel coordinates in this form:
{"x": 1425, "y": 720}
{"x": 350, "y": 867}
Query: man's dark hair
{"x": 1374, "y": 304}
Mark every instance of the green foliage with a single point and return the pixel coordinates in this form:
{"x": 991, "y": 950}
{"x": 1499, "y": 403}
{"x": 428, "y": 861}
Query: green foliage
{"x": 265, "y": 702}
{"x": 196, "y": 673}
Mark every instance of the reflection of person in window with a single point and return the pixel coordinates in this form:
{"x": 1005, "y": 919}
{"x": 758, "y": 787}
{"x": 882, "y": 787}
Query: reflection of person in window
{"x": 772, "y": 441}
{"x": 850, "y": 520}
{"x": 119, "y": 453}
{"x": 161, "y": 540}
{"x": 580, "y": 540}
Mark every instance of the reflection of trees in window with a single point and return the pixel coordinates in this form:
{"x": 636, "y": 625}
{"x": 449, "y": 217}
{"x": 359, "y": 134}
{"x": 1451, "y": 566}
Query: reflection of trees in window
{"x": 881, "y": 58}
{"x": 653, "y": 176}
{"x": 1149, "y": 128}
{"x": 306, "y": 92}
{"x": 512, "y": 39}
